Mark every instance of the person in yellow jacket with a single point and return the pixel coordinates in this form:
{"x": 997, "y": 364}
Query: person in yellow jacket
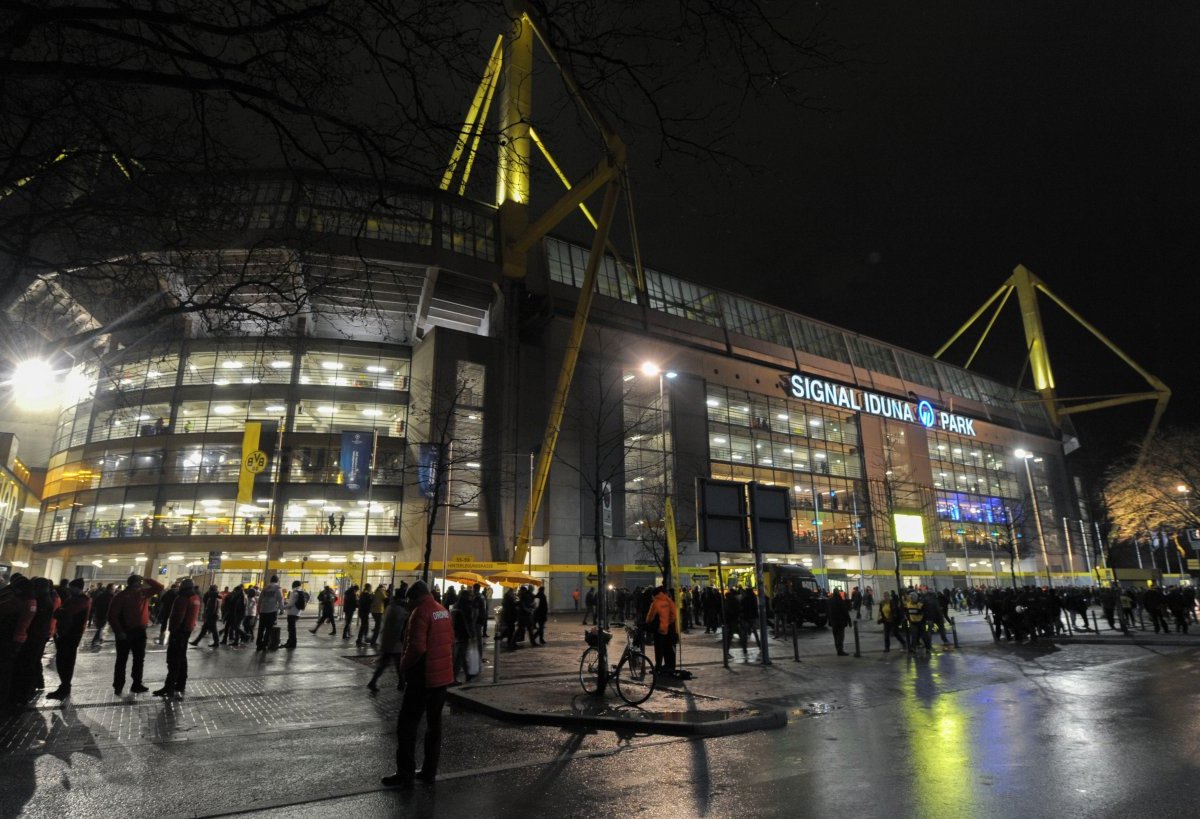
{"x": 662, "y": 618}
{"x": 378, "y": 604}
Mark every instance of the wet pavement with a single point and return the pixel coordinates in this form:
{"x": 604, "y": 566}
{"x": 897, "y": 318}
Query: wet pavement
{"x": 1062, "y": 729}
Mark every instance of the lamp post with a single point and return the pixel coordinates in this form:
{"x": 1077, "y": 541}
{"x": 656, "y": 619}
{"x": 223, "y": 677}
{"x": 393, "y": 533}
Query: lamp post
{"x": 651, "y": 369}
{"x": 962, "y": 541}
{"x": 1037, "y": 513}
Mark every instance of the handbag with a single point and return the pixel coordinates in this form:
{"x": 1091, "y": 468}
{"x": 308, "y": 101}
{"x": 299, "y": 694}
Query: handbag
{"x": 473, "y": 662}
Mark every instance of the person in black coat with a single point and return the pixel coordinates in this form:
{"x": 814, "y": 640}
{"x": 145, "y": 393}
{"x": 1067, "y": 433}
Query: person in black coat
{"x": 211, "y": 611}
{"x": 100, "y": 605}
{"x": 839, "y": 620}
{"x": 540, "y": 612}
{"x": 234, "y": 611}
{"x": 349, "y": 609}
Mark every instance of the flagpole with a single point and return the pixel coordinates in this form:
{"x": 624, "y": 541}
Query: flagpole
{"x": 367, "y": 520}
{"x": 278, "y": 465}
{"x": 446, "y": 530}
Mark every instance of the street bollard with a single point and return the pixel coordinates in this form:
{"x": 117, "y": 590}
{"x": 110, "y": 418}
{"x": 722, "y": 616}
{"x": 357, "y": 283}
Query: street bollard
{"x": 496, "y": 659}
{"x": 954, "y": 630}
{"x": 725, "y": 644}
{"x": 857, "y": 647}
{"x": 795, "y": 639}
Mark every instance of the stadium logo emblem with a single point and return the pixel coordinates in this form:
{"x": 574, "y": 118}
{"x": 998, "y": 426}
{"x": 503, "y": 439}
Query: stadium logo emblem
{"x": 926, "y": 414}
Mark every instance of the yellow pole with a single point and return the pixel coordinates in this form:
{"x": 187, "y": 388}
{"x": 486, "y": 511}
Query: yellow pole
{"x": 567, "y": 373}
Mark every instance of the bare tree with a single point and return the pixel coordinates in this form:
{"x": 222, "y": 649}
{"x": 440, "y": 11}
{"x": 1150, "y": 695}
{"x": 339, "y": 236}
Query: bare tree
{"x": 450, "y": 454}
{"x": 609, "y": 424}
{"x": 1157, "y": 490}
{"x": 128, "y": 125}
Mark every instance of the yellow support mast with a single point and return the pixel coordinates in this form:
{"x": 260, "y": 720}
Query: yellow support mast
{"x": 1027, "y": 286}
{"x": 512, "y": 60}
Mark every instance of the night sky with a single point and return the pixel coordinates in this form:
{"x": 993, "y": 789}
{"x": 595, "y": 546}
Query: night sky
{"x": 965, "y": 139}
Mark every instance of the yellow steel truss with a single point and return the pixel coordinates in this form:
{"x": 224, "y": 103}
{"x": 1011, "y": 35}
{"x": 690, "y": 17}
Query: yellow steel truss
{"x": 512, "y": 58}
{"x": 1027, "y": 287}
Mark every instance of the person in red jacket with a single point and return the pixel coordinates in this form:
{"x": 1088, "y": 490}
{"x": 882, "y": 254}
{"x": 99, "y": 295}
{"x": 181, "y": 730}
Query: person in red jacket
{"x": 185, "y": 610}
{"x": 428, "y": 667}
{"x": 18, "y": 607}
{"x": 72, "y": 617}
{"x": 129, "y": 615}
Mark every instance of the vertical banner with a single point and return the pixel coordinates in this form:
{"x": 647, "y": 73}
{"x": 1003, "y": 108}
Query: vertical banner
{"x": 427, "y": 466}
{"x": 673, "y": 562}
{"x": 258, "y": 450}
{"x": 254, "y": 462}
{"x": 355, "y": 459}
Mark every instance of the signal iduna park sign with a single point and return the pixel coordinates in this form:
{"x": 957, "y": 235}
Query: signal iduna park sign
{"x": 922, "y": 412}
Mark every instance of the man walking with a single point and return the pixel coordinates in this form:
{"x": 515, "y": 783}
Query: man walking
{"x": 325, "y": 602}
{"x": 72, "y": 617}
{"x": 100, "y": 604}
{"x": 268, "y": 610}
{"x": 349, "y": 609}
{"x": 185, "y": 610}
{"x": 590, "y": 602}
{"x": 839, "y": 620}
{"x": 129, "y": 616}
{"x": 428, "y": 668}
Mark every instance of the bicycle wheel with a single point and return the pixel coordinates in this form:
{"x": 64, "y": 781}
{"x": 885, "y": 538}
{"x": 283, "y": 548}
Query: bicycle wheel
{"x": 635, "y": 678}
{"x": 589, "y": 671}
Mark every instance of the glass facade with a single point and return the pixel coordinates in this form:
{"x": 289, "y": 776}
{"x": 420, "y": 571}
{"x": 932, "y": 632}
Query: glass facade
{"x": 152, "y": 448}
{"x": 783, "y": 442}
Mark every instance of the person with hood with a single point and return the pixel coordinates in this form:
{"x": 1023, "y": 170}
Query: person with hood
{"x": 428, "y": 669}
{"x": 269, "y": 605}
{"x": 129, "y": 616}
{"x": 391, "y": 645}
{"x": 661, "y": 619}
{"x": 185, "y": 610}
{"x": 212, "y": 610}
{"x": 72, "y": 617}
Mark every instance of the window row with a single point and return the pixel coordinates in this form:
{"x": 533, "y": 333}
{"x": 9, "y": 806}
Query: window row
{"x": 715, "y": 308}
{"x": 770, "y": 415}
{"x": 229, "y": 415}
{"x": 213, "y": 463}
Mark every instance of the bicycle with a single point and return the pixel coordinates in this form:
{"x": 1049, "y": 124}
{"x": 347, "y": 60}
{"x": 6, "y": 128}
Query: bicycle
{"x": 633, "y": 674}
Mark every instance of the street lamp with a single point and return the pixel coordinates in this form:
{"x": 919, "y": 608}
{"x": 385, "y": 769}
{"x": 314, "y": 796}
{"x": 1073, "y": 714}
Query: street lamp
{"x": 651, "y": 369}
{"x": 1037, "y": 513}
{"x": 35, "y": 385}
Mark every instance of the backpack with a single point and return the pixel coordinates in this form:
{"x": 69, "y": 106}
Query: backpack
{"x": 301, "y": 600}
